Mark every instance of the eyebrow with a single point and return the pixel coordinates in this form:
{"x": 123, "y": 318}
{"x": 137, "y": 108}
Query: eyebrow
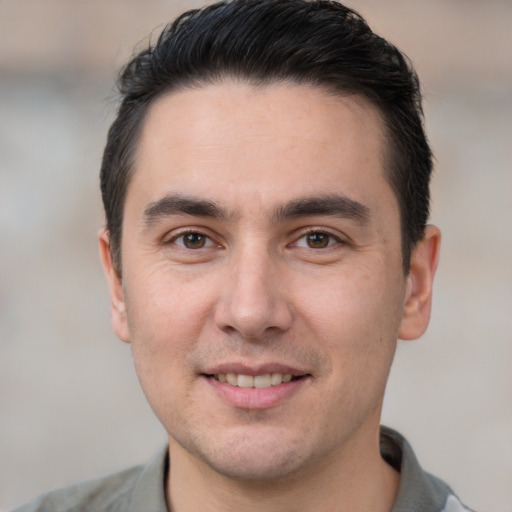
{"x": 177, "y": 204}
{"x": 335, "y": 205}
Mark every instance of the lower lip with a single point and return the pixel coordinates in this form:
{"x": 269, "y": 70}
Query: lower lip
{"x": 256, "y": 398}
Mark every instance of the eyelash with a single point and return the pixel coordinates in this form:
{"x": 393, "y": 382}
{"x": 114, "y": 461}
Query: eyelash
{"x": 173, "y": 240}
{"x": 332, "y": 239}
{"x": 208, "y": 241}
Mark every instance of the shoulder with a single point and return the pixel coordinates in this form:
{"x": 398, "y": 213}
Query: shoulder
{"x": 418, "y": 491}
{"x": 136, "y": 488}
{"x": 109, "y": 493}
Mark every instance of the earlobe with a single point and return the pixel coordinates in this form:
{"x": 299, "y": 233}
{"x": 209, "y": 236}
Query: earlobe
{"x": 418, "y": 300}
{"x": 117, "y": 303}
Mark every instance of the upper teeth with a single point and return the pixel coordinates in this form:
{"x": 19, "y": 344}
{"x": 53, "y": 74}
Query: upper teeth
{"x": 260, "y": 381}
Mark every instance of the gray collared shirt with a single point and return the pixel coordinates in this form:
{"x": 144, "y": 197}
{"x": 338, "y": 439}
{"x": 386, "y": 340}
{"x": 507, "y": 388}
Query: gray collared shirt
{"x": 141, "y": 488}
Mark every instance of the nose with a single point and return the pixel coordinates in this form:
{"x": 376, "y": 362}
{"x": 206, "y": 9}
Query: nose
{"x": 253, "y": 303}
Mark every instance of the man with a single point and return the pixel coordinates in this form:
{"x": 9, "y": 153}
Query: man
{"x": 266, "y": 189}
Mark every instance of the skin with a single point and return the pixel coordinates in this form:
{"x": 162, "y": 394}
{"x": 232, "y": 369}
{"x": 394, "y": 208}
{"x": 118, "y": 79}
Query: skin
{"x": 249, "y": 289}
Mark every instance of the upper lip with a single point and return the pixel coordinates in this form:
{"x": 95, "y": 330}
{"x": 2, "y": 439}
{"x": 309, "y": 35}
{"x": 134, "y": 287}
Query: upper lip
{"x": 253, "y": 369}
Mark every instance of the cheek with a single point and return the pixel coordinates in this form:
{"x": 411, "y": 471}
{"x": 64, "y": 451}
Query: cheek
{"x": 162, "y": 302}
{"x": 163, "y": 329}
{"x": 357, "y": 315}
{"x": 165, "y": 317}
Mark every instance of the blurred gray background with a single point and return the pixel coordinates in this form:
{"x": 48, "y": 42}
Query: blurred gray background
{"x": 71, "y": 407}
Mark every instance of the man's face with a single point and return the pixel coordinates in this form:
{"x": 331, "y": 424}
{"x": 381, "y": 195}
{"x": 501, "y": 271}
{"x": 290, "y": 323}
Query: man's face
{"x": 261, "y": 242}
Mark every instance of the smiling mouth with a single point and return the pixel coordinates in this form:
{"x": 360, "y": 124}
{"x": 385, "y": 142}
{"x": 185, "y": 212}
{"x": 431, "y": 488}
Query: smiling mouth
{"x": 259, "y": 381}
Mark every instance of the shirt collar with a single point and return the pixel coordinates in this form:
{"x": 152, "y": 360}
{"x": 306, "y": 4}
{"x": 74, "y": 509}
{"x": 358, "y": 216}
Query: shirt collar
{"x": 418, "y": 491}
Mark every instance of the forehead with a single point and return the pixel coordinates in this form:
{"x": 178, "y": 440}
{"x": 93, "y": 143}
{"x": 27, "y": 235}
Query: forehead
{"x": 272, "y": 143}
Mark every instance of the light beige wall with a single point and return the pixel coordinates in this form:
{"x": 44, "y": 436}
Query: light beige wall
{"x": 70, "y": 404}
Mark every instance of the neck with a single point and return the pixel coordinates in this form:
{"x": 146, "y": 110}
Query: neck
{"x": 359, "y": 480}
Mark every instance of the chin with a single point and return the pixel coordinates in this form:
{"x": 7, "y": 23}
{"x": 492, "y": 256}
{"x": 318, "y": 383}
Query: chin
{"x": 254, "y": 458}
{"x": 261, "y": 469}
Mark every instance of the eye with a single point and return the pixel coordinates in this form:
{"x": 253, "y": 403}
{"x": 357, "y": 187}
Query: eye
{"x": 316, "y": 240}
{"x": 192, "y": 240}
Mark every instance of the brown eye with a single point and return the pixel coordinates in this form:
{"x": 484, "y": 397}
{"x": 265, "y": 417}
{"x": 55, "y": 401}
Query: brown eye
{"x": 318, "y": 240}
{"x": 192, "y": 240}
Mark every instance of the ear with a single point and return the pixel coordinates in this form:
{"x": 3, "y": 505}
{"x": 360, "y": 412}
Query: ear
{"x": 418, "y": 299}
{"x": 117, "y": 303}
